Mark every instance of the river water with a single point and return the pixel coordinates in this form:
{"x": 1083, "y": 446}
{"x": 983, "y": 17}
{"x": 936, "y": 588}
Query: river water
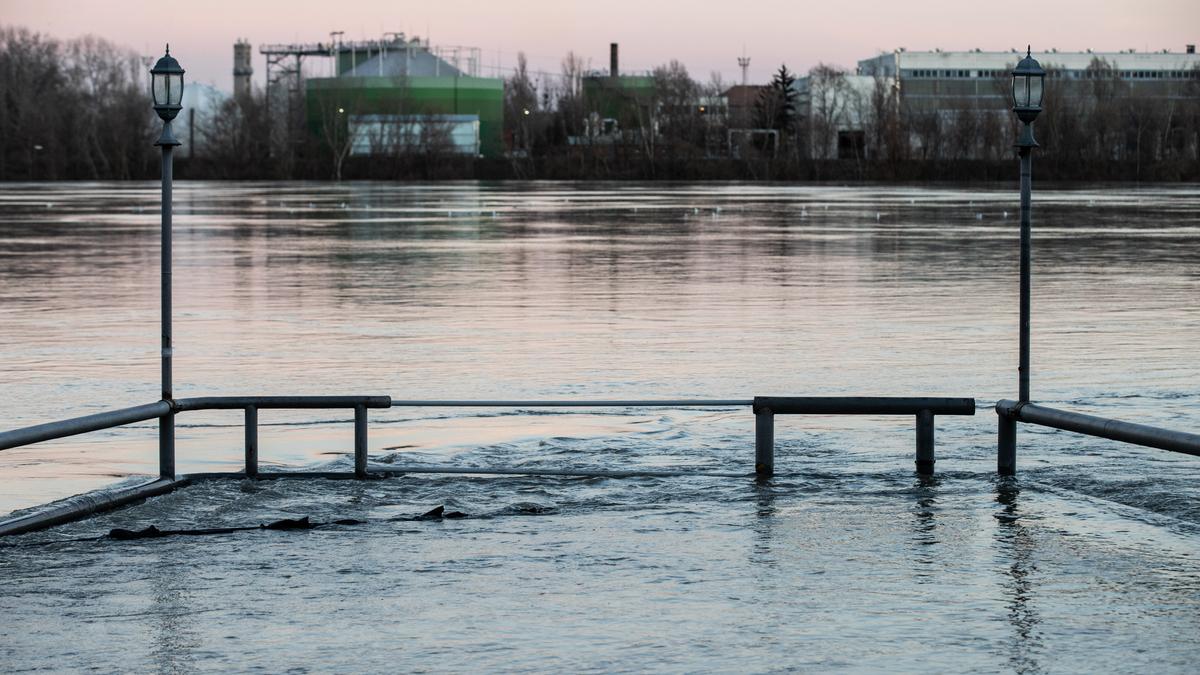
{"x": 1087, "y": 560}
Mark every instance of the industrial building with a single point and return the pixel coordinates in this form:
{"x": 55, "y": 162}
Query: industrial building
{"x": 403, "y": 95}
{"x": 938, "y": 86}
{"x": 615, "y": 103}
{"x": 393, "y": 95}
{"x": 946, "y": 81}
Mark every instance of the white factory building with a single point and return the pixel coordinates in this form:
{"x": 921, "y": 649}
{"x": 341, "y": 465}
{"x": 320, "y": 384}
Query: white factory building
{"x": 947, "y": 83}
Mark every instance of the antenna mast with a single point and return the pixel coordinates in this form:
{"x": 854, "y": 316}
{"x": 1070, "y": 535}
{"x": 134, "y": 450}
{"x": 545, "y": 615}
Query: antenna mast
{"x": 744, "y": 64}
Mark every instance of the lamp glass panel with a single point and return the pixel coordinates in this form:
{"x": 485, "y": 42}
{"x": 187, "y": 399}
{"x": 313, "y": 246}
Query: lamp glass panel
{"x": 175, "y": 88}
{"x": 1021, "y": 91}
{"x": 1035, "y": 91}
{"x": 158, "y": 89}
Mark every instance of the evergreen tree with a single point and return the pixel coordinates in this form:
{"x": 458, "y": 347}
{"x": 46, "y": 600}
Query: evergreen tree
{"x": 776, "y": 104}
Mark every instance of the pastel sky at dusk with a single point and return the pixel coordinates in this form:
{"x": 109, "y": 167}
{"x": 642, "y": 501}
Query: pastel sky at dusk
{"x": 706, "y": 37}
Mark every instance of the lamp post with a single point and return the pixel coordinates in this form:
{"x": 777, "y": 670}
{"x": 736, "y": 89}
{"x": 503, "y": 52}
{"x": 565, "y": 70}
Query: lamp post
{"x": 166, "y": 88}
{"x": 1027, "y": 88}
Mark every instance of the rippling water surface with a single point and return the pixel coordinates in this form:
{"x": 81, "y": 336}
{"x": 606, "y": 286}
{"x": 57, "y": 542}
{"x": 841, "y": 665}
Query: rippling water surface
{"x": 1088, "y": 560}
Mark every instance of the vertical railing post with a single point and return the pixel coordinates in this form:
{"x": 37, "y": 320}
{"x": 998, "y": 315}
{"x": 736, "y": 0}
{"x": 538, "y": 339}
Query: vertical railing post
{"x": 764, "y": 442}
{"x": 360, "y": 441}
{"x": 925, "y": 456}
{"x": 1006, "y": 444}
{"x": 251, "y": 441}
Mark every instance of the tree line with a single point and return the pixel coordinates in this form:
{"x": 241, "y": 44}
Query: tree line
{"x": 77, "y": 109}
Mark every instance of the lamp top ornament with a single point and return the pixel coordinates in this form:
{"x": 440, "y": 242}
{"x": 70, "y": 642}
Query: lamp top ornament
{"x": 166, "y": 86}
{"x": 1027, "y": 87}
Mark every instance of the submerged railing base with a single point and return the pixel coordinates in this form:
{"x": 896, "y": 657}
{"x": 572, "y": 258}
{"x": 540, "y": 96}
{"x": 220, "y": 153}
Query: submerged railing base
{"x": 378, "y": 472}
{"x": 89, "y": 504}
{"x": 765, "y": 409}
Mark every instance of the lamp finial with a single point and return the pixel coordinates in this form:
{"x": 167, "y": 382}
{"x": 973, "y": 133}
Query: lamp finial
{"x": 1028, "y": 50}
{"x": 168, "y": 49}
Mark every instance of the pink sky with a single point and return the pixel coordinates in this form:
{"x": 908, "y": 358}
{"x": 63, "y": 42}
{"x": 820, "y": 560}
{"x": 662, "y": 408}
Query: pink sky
{"x": 704, "y": 36}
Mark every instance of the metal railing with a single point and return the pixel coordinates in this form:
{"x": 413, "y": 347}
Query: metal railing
{"x": 82, "y": 425}
{"x": 1011, "y": 412}
{"x": 765, "y": 408}
{"x": 252, "y": 404}
{"x": 924, "y": 409}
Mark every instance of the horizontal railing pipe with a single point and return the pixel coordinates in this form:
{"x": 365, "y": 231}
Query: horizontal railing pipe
{"x": 82, "y": 425}
{"x": 280, "y": 402}
{"x": 1093, "y": 425}
{"x": 676, "y": 403}
{"x": 863, "y": 405}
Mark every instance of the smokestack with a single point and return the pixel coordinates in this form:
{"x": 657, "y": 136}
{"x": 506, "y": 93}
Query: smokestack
{"x": 241, "y": 69}
{"x": 612, "y": 60}
{"x": 1191, "y": 49}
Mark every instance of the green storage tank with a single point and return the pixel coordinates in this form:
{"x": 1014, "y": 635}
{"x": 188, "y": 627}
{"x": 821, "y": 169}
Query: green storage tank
{"x": 407, "y": 96}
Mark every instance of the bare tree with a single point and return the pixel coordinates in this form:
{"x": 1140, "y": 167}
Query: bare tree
{"x": 336, "y": 108}
{"x": 520, "y": 108}
{"x": 236, "y": 138}
{"x": 676, "y": 106}
{"x": 570, "y": 95}
{"x": 830, "y": 101}
{"x": 71, "y": 110}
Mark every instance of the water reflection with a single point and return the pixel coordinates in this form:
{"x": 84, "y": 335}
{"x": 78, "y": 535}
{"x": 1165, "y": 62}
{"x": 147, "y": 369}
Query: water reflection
{"x": 926, "y": 551}
{"x": 1016, "y": 545}
{"x": 172, "y": 612}
{"x": 763, "y": 526}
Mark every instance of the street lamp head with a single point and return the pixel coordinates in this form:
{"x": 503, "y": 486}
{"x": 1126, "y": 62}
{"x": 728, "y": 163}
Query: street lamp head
{"x": 1027, "y": 87}
{"x": 166, "y": 86}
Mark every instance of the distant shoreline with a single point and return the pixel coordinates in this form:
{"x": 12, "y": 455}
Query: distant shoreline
{"x": 558, "y": 169}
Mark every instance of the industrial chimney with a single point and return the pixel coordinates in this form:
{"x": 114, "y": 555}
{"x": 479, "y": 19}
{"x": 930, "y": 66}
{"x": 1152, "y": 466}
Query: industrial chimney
{"x": 612, "y": 60}
{"x": 241, "y": 69}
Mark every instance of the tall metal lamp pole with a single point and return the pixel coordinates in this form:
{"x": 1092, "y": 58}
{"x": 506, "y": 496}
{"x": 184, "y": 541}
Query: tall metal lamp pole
{"x": 1027, "y": 88}
{"x": 167, "y": 90}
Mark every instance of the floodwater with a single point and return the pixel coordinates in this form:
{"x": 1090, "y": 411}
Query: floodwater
{"x": 1088, "y": 560}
